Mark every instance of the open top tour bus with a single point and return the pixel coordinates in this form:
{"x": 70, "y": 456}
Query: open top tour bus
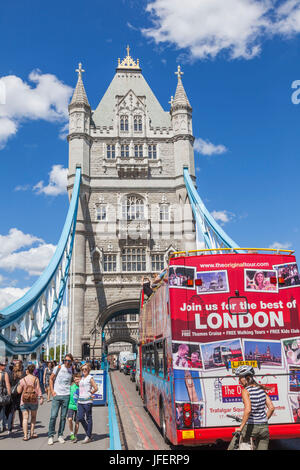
{"x": 210, "y": 314}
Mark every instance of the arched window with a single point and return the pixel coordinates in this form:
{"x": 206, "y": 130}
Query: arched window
{"x": 124, "y": 151}
{"x": 137, "y": 123}
{"x": 138, "y": 151}
{"x": 124, "y": 123}
{"x": 110, "y": 151}
{"x": 133, "y": 208}
{"x": 152, "y": 152}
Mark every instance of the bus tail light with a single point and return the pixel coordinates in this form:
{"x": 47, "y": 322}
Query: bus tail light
{"x": 190, "y": 283}
{"x": 198, "y": 282}
{"x": 281, "y": 280}
{"x": 273, "y": 280}
{"x": 187, "y": 415}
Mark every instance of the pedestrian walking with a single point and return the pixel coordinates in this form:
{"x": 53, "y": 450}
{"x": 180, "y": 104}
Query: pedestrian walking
{"x": 30, "y": 390}
{"x": 87, "y": 387}
{"x": 15, "y": 405}
{"x": 60, "y": 385}
{"x": 5, "y": 394}
{"x": 72, "y": 408}
{"x": 40, "y": 375}
{"x": 254, "y": 423}
{"x": 47, "y": 374}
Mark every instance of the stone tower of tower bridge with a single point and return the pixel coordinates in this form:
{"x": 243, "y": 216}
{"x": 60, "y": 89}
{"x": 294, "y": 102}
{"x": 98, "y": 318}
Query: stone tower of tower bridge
{"x": 133, "y": 207}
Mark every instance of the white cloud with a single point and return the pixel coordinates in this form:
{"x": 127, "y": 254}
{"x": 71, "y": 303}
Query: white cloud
{"x": 48, "y": 100}
{"x": 33, "y": 261}
{"x": 287, "y": 18}
{"x": 207, "y": 28}
{"x": 15, "y": 240}
{"x": 281, "y": 246}
{"x": 222, "y": 216}
{"x": 57, "y": 182}
{"x": 208, "y": 148}
{"x": 8, "y": 295}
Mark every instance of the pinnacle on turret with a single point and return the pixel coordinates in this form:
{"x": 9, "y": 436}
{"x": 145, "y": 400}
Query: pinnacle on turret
{"x": 128, "y": 63}
{"x": 180, "y": 99}
{"x": 79, "y": 95}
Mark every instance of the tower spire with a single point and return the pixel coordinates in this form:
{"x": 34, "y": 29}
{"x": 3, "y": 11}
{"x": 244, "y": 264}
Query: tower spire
{"x": 79, "y": 95}
{"x": 180, "y": 98}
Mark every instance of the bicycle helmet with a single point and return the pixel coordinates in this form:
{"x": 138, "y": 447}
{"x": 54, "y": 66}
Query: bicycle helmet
{"x": 242, "y": 371}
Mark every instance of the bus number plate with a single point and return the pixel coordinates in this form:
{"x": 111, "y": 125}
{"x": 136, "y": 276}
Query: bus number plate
{"x": 188, "y": 435}
{"x": 236, "y": 364}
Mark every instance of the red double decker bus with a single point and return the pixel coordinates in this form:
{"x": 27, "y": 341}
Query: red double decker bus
{"x": 210, "y": 314}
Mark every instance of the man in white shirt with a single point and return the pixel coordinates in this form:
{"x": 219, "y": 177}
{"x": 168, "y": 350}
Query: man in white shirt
{"x": 60, "y": 384}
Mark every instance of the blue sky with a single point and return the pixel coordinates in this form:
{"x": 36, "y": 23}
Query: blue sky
{"x": 239, "y": 57}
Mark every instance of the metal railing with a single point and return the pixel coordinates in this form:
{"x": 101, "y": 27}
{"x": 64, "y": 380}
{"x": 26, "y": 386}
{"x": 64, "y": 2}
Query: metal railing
{"x": 114, "y": 434}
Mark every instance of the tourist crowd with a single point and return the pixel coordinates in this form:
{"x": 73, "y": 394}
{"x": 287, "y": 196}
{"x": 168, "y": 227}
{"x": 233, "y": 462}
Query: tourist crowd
{"x": 69, "y": 386}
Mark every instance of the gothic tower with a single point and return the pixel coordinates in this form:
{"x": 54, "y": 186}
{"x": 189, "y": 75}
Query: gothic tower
{"x": 133, "y": 204}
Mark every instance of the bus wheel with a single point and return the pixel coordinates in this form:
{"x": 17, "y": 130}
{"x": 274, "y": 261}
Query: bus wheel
{"x": 163, "y": 425}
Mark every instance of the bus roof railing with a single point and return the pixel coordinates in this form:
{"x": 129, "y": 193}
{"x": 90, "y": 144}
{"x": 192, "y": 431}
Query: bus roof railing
{"x": 208, "y": 251}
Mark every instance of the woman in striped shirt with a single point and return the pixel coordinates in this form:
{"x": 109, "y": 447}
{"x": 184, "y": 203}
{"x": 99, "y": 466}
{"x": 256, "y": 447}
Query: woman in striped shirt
{"x": 258, "y": 409}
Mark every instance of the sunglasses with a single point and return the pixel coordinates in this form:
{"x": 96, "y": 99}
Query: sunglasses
{"x": 68, "y": 360}
{"x": 84, "y": 368}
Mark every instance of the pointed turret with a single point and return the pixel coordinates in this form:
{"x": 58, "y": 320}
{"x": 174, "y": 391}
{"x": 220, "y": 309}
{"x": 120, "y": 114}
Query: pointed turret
{"x": 181, "y": 115}
{"x": 79, "y": 95}
{"x": 180, "y": 100}
{"x": 79, "y": 126}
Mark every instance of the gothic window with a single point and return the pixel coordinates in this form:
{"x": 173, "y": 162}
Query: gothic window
{"x": 121, "y": 318}
{"x": 109, "y": 263}
{"x": 110, "y": 151}
{"x": 152, "y": 152}
{"x": 137, "y": 123}
{"x": 164, "y": 212}
{"x": 101, "y": 212}
{"x": 133, "y": 208}
{"x": 124, "y": 151}
{"x": 133, "y": 259}
{"x": 157, "y": 262}
{"x": 124, "y": 123}
{"x": 138, "y": 151}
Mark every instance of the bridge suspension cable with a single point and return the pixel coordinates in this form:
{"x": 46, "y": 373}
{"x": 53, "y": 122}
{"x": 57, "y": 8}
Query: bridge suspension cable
{"x": 26, "y": 324}
{"x": 213, "y": 235}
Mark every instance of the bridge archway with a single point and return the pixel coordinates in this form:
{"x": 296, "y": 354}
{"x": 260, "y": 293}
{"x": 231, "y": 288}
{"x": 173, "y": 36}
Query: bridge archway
{"x": 122, "y": 307}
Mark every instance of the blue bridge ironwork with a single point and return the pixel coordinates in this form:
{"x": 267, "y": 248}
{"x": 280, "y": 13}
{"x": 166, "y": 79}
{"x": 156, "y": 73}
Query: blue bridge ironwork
{"x": 26, "y": 324}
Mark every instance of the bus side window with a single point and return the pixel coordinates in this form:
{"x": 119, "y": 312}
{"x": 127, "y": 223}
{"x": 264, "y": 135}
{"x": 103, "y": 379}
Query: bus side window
{"x": 144, "y": 358}
{"x": 165, "y": 365}
{"x": 160, "y": 359}
{"x": 156, "y": 358}
{"x": 148, "y": 360}
{"x": 152, "y": 367}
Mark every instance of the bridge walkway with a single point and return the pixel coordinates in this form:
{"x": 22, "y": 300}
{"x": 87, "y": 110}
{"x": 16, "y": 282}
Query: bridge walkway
{"x": 100, "y": 433}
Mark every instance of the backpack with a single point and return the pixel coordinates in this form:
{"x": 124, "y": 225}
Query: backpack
{"x": 29, "y": 394}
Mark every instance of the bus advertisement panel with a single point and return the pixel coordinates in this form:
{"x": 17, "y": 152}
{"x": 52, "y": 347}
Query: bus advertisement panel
{"x": 210, "y": 338}
{"x": 212, "y": 313}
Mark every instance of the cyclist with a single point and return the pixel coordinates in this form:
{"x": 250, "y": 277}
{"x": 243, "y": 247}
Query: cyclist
{"x": 255, "y": 419}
